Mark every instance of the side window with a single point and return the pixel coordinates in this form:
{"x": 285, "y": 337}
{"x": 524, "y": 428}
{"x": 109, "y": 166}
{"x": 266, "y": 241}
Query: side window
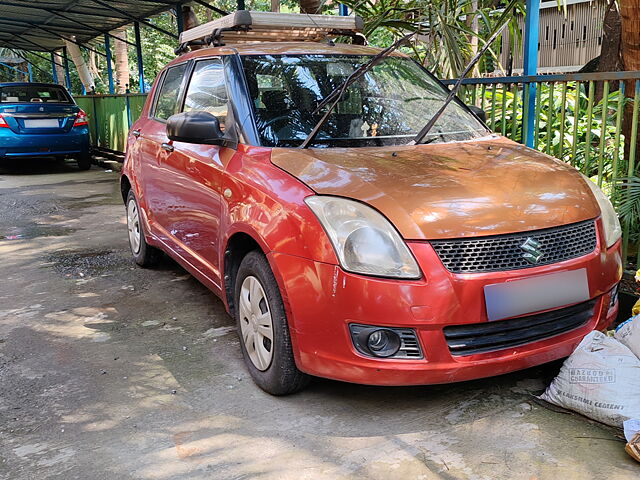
{"x": 207, "y": 90}
{"x": 167, "y": 100}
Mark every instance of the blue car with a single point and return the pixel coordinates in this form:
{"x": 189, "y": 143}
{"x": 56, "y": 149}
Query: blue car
{"x": 41, "y": 119}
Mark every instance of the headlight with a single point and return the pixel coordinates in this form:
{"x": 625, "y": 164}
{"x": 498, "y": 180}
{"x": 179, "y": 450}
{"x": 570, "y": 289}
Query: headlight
{"x": 612, "y": 229}
{"x": 364, "y": 241}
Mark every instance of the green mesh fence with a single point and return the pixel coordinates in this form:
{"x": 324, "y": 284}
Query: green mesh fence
{"x": 110, "y": 117}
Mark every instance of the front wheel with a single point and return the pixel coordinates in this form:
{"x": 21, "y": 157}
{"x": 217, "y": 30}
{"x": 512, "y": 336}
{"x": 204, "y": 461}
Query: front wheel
{"x": 263, "y": 328}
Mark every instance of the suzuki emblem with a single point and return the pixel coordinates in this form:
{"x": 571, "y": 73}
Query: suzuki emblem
{"x": 532, "y": 251}
{"x": 41, "y": 109}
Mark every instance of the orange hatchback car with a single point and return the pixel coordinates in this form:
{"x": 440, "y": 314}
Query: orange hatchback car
{"x": 364, "y": 258}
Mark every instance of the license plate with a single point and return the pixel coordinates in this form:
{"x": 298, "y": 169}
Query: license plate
{"x": 42, "y": 123}
{"x": 519, "y": 297}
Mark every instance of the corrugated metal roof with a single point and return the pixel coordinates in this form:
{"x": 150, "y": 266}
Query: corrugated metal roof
{"x": 42, "y": 24}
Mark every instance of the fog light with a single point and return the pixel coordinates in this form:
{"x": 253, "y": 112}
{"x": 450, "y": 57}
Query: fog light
{"x": 614, "y": 296}
{"x": 383, "y": 343}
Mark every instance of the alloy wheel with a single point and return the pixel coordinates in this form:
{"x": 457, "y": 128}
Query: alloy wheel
{"x": 133, "y": 224}
{"x": 256, "y": 324}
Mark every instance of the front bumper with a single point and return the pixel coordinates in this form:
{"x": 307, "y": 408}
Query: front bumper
{"x": 74, "y": 142}
{"x": 322, "y": 300}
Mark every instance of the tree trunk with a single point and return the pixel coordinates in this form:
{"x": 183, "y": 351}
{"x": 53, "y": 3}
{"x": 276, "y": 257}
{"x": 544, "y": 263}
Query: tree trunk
{"x": 610, "y": 58}
{"x": 472, "y": 20}
{"x": 630, "y": 49}
{"x": 121, "y": 54}
{"x": 275, "y": 5}
{"x": 93, "y": 66}
{"x": 59, "y": 65}
{"x": 630, "y": 13}
{"x": 81, "y": 66}
{"x": 310, "y": 6}
{"x": 190, "y": 21}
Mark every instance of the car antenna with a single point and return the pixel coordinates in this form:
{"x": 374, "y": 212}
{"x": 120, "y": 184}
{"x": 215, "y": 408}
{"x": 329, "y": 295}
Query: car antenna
{"x": 427, "y": 128}
{"x": 338, "y": 92}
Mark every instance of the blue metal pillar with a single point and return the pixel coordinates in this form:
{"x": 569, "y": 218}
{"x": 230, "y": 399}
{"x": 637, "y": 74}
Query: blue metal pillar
{"x": 107, "y": 48}
{"x": 66, "y": 68}
{"x": 30, "y": 70}
{"x": 54, "y": 72}
{"x": 179, "y": 18}
{"x": 343, "y": 10}
{"x": 136, "y": 31}
{"x": 530, "y": 67}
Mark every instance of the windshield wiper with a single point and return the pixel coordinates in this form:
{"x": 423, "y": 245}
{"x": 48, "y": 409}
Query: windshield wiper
{"x": 425, "y": 130}
{"x": 338, "y": 92}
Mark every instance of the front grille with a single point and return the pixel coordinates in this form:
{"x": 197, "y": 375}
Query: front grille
{"x": 504, "y": 252}
{"x": 491, "y": 336}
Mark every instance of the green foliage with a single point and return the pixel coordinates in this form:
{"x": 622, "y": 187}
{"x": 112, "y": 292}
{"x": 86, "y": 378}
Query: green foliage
{"x": 445, "y": 29}
{"x": 560, "y": 132}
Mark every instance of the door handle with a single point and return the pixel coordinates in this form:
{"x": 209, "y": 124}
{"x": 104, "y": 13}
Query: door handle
{"x": 167, "y": 147}
{"x": 135, "y": 133}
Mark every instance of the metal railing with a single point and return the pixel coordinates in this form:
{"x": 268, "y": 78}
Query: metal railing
{"x": 588, "y": 120}
{"x": 110, "y": 117}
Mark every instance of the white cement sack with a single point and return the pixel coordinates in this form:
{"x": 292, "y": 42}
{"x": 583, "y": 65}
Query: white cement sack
{"x": 628, "y": 333}
{"x": 601, "y": 380}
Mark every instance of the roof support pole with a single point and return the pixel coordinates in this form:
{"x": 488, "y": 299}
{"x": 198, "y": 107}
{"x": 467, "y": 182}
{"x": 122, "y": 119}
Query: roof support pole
{"x": 211, "y": 7}
{"x": 30, "y": 64}
{"x": 241, "y": 5}
{"x": 343, "y": 10}
{"x": 107, "y": 48}
{"x": 67, "y": 75}
{"x": 531, "y": 38}
{"x": 136, "y": 30}
{"x": 135, "y": 19}
{"x": 54, "y": 73}
{"x": 179, "y": 18}
{"x": 30, "y": 70}
{"x": 13, "y": 68}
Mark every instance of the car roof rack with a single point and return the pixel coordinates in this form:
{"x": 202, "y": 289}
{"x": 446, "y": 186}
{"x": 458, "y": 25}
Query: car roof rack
{"x": 245, "y": 26}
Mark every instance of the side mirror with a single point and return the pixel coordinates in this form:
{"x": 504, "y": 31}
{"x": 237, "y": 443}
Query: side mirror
{"x": 196, "y": 127}
{"x": 478, "y": 112}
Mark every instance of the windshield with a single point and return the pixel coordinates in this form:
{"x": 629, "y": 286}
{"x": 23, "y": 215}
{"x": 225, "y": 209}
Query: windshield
{"x": 33, "y": 94}
{"x": 388, "y": 105}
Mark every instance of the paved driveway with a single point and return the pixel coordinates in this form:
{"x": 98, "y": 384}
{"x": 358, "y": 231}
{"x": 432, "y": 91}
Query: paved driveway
{"x": 108, "y": 371}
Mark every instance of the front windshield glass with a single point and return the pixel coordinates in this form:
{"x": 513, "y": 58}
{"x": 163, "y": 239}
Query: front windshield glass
{"x": 388, "y": 105}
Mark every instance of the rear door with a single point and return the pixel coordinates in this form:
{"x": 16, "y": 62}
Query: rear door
{"x": 37, "y": 109}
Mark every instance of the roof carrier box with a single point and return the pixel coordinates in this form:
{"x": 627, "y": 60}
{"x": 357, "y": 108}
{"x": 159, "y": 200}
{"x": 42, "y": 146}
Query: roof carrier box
{"x": 248, "y": 26}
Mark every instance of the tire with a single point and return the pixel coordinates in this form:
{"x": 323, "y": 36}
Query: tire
{"x": 144, "y": 254}
{"x": 269, "y": 361}
{"x": 84, "y": 161}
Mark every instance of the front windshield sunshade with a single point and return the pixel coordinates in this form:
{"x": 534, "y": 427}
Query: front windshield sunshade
{"x": 386, "y": 106}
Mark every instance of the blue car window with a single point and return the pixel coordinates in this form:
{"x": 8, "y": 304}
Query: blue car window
{"x": 34, "y": 94}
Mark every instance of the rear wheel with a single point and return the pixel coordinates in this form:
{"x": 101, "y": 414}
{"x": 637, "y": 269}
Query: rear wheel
{"x": 144, "y": 254}
{"x": 84, "y": 161}
{"x": 263, "y": 328}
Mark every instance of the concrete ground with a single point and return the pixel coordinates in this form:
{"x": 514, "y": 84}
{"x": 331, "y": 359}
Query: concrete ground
{"x": 109, "y": 371}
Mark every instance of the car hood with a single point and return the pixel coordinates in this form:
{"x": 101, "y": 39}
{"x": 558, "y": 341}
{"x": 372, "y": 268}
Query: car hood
{"x": 489, "y": 186}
